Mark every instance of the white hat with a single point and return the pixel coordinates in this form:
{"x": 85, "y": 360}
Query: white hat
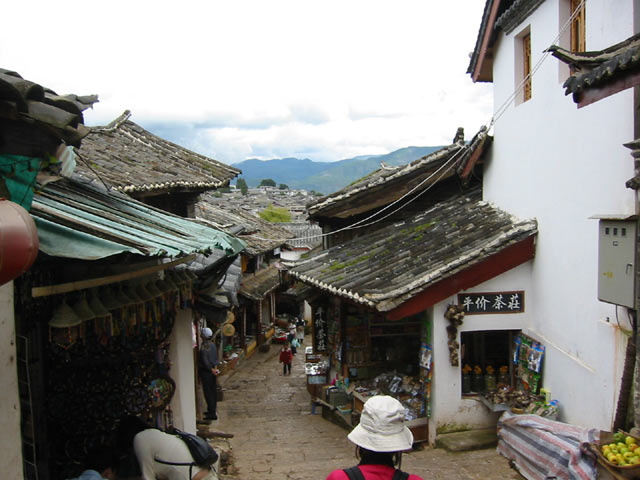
{"x": 207, "y": 333}
{"x": 381, "y": 427}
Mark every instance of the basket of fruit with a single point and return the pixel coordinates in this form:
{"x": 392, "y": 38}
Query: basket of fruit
{"x": 619, "y": 452}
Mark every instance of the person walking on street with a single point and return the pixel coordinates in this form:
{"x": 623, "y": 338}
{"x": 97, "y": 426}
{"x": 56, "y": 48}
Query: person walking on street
{"x": 208, "y": 367}
{"x": 300, "y": 330}
{"x": 290, "y": 337}
{"x": 286, "y": 357}
{"x": 294, "y": 346}
{"x": 380, "y": 439}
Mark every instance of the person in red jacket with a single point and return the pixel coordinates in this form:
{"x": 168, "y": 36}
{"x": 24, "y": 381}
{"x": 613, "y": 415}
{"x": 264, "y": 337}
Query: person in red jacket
{"x": 380, "y": 438}
{"x": 286, "y": 357}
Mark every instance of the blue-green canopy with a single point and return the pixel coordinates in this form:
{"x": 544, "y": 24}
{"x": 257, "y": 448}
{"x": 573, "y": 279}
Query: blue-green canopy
{"x": 77, "y": 220}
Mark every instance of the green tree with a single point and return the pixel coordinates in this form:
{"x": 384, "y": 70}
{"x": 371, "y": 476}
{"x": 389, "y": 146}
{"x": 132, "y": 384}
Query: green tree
{"x": 242, "y": 185}
{"x": 267, "y": 182}
{"x": 283, "y": 186}
{"x": 275, "y": 214}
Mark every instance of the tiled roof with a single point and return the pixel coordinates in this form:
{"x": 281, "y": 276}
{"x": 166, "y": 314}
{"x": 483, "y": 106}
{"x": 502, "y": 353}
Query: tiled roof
{"x": 256, "y": 286}
{"x": 25, "y": 101}
{"x": 131, "y": 159}
{"x": 390, "y": 266}
{"x": 364, "y": 194}
{"x": 516, "y": 13}
{"x": 596, "y": 68}
{"x": 80, "y": 221}
{"x": 259, "y": 235}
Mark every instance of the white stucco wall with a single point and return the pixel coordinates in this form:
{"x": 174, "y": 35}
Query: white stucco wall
{"x": 449, "y": 410}
{"x": 182, "y": 371}
{"x": 561, "y": 165}
{"x": 10, "y": 445}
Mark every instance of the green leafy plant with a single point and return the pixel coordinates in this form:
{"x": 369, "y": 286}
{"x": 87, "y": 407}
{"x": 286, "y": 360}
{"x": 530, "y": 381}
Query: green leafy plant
{"x": 275, "y": 214}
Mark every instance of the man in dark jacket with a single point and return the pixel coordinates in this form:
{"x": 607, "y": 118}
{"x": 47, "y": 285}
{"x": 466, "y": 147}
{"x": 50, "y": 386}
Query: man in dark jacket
{"x": 208, "y": 366}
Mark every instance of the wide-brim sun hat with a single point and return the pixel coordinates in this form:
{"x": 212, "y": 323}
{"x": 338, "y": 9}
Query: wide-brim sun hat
{"x": 381, "y": 427}
{"x": 206, "y": 332}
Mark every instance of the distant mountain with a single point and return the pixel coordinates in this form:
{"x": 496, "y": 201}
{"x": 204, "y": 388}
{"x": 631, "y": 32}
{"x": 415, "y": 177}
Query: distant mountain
{"x": 324, "y": 177}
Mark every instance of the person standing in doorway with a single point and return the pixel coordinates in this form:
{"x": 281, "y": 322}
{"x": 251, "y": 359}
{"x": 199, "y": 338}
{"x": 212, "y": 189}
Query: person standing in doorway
{"x": 208, "y": 366}
{"x": 286, "y": 357}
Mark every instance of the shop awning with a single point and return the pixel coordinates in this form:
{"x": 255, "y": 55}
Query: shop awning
{"x": 80, "y": 221}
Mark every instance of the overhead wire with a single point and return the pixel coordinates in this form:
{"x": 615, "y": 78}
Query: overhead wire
{"x": 447, "y": 166}
{"x": 489, "y": 124}
{"x": 507, "y": 103}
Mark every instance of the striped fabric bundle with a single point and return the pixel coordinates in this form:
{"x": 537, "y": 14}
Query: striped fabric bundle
{"x": 543, "y": 449}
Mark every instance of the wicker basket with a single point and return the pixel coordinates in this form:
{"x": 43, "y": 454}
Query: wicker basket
{"x": 618, "y": 471}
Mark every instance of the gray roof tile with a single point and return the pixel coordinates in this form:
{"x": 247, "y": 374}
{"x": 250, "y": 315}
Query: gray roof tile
{"x": 388, "y": 267}
{"x": 361, "y": 196}
{"x": 596, "y": 68}
{"x": 26, "y": 101}
{"x": 131, "y": 159}
{"x": 259, "y": 235}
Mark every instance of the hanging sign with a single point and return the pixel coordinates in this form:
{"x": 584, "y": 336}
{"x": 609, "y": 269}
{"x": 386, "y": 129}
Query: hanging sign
{"x": 494, "y": 302}
{"x": 320, "y": 332}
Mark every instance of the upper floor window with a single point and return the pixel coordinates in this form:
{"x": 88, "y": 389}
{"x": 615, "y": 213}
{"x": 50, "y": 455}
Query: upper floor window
{"x": 578, "y": 43}
{"x": 526, "y": 67}
{"x": 523, "y": 66}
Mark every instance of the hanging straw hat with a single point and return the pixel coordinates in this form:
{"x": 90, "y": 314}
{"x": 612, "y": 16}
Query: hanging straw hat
{"x": 381, "y": 427}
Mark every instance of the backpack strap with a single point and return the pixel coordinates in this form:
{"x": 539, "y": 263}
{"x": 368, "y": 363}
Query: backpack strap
{"x": 400, "y": 475}
{"x": 178, "y": 464}
{"x": 354, "y": 473}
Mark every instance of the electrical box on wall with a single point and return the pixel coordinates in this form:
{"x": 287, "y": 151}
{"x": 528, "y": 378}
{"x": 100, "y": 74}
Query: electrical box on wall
{"x": 617, "y": 261}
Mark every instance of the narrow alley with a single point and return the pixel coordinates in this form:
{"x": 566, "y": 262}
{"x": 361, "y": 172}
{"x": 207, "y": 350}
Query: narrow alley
{"x": 276, "y": 437}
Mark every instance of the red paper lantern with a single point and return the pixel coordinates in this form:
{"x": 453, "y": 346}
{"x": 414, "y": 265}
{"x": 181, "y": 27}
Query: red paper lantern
{"x": 18, "y": 241}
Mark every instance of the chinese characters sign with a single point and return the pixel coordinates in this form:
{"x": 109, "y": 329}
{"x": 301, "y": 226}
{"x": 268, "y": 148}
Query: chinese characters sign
{"x": 320, "y": 332}
{"x": 501, "y": 302}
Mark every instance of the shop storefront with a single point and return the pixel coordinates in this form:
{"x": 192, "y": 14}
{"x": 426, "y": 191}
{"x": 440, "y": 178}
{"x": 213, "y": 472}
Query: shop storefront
{"x": 92, "y": 355}
{"x": 367, "y": 354}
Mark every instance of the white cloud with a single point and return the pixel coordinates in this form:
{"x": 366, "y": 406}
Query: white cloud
{"x": 233, "y": 80}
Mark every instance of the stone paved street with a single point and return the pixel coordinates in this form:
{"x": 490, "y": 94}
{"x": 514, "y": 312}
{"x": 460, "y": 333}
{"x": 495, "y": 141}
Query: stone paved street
{"x": 276, "y": 437}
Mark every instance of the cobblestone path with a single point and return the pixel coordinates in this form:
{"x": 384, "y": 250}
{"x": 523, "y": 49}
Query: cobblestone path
{"x": 277, "y": 438}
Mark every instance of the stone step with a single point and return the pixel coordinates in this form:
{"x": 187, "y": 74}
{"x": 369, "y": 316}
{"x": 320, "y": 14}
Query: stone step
{"x": 468, "y": 440}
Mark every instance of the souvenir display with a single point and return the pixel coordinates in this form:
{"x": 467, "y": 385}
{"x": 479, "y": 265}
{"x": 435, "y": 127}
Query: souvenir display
{"x": 108, "y": 357}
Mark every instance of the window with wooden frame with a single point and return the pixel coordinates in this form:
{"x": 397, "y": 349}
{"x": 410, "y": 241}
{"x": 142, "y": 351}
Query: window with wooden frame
{"x": 578, "y": 40}
{"x": 526, "y": 67}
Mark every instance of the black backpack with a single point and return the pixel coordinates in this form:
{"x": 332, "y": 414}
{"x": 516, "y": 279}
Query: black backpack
{"x": 354, "y": 473}
{"x": 203, "y": 454}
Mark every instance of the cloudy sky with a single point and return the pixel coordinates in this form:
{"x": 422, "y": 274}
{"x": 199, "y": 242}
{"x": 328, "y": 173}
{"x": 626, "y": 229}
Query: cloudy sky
{"x": 261, "y": 79}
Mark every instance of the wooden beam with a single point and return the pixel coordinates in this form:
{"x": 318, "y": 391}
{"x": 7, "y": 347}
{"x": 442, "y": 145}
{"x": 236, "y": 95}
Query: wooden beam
{"x": 473, "y": 159}
{"x": 485, "y": 40}
{"x": 593, "y": 94}
{"x": 491, "y": 267}
{"x": 98, "y": 282}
